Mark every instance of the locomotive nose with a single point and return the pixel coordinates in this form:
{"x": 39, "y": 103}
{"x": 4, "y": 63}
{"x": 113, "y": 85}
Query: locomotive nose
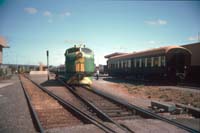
{"x": 79, "y": 55}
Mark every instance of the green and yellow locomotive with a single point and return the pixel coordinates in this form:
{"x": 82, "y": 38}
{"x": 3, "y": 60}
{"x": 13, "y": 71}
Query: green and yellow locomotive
{"x": 79, "y": 66}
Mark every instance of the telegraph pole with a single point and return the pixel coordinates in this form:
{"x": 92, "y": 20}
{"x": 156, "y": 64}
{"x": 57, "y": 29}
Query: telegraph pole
{"x": 48, "y": 64}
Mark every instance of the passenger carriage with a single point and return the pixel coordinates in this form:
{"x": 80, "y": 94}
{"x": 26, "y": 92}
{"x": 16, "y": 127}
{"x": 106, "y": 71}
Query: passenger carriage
{"x": 167, "y": 62}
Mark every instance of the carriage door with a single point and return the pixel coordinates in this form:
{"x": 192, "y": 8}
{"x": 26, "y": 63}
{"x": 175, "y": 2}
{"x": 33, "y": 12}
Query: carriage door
{"x": 176, "y": 64}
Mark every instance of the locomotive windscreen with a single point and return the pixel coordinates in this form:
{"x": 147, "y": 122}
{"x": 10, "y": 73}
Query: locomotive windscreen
{"x": 72, "y": 50}
{"x": 86, "y": 50}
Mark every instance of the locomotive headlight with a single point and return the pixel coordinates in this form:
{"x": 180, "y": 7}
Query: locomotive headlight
{"x": 79, "y": 55}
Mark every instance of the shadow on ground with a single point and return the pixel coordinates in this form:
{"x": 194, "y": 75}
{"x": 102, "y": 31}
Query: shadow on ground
{"x": 50, "y": 83}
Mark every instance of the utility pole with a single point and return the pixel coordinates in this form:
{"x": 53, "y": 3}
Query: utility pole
{"x": 198, "y": 37}
{"x": 48, "y": 64}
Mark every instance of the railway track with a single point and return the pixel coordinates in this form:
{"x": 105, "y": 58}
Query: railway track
{"x": 112, "y": 109}
{"x": 53, "y": 111}
{"x": 97, "y": 108}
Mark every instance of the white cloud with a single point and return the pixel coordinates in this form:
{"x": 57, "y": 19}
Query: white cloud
{"x": 193, "y": 38}
{"x": 75, "y": 42}
{"x": 31, "y": 10}
{"x": 152, "y": 42}
{"x": 47, "y": 13}
{"x": 66, "y": 14}
{"x": 156, "y": 22}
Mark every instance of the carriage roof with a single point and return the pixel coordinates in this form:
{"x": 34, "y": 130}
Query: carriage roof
{"x": 150, "y": 52}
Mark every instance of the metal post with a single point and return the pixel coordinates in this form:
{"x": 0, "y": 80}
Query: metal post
{"x": 48, "y": 64}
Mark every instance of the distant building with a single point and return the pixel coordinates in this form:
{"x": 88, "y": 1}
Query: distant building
{"x": 195, "y": 60}
{"x": 3, "y": 44}
{"x": 195, "y": 49}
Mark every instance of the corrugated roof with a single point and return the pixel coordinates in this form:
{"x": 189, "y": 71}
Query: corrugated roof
{"x": 155, "y": 51}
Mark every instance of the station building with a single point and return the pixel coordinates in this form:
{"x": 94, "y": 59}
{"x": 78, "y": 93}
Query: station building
{"x": 195, "y": 60}
{"x": 3, "y": 44}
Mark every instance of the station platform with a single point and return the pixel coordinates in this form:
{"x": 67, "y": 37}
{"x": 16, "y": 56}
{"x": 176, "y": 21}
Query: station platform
{"x": 14, "y": 112}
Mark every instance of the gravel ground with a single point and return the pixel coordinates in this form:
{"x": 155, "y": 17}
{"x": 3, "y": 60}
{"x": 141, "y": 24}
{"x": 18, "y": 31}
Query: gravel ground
{"x": 50, "y": 112}
{"x": 142, "y": 95}
{"x": 76, "y": 129}
{"x": 14, "y": 112}
{"x": 61, "y": 91}
{"x": 138, "y": 125}
{"x": 140, "y": 98}
{"x": 151, "y": 126}
{"x": 120, "y": 91}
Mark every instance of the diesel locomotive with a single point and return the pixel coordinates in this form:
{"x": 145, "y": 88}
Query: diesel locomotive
{"x": 171, "y": 62}
{"x": 79, "y": 66}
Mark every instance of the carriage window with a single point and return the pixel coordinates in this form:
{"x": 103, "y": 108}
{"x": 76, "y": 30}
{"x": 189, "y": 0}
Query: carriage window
{"x": 129, "y": 63}
{"x": 118, "y": 64}
{"x": 132, "y": 63}
{"x": 162, "y": 60}
{"x": 108, "y": 65}
{"x": 125, "y": 64}
{"x": 143, "y": 62}
{"x": 159, "y": 61}
{"x": 121, "y": 64}
{"x": 137, "y": 63}
{"x": 152, "y": 58}
{"x": 140, "y": 62}
{"x": 155, "y": 62}
{"x": 148, "y": 62}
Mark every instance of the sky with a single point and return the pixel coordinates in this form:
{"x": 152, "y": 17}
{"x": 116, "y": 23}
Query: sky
{"x": 33, "y": 26}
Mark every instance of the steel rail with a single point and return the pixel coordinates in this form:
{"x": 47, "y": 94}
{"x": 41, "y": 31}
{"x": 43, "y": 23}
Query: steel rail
{"x": 96, "y": 109}
{"x": 142, "y": 111}
{"x": 89, "y": 118}
{"x": 34, "y": 115}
